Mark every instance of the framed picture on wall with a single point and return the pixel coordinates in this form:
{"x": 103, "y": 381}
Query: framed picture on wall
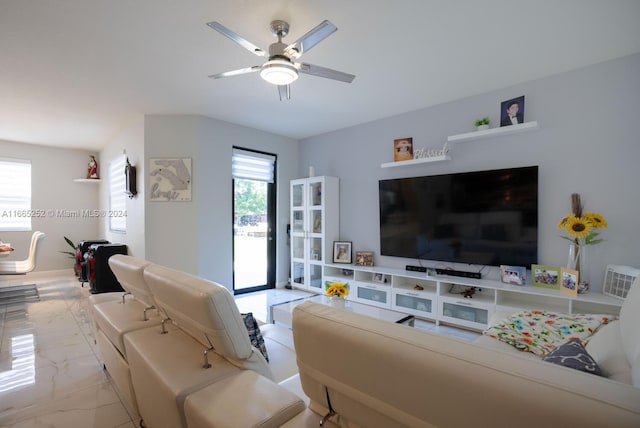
{"x": 170, "y": 180}
{"x": 341, "y": 252}
{"x": 512, "y": 111}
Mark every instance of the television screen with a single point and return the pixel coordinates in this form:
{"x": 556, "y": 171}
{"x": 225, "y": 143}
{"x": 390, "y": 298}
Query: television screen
{"x": 482, "y": 217}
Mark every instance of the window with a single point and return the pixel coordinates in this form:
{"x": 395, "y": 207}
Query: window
{"x": 15, "y": 194}
{"x": 117, "y": 197}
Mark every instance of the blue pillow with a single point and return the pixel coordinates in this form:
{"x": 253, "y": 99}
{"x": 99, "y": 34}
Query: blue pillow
{"x": 255, "y": 335}
{"x": 572, "y": 354}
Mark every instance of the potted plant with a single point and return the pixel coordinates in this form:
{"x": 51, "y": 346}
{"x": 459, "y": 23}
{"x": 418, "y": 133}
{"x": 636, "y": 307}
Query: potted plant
{"x": 72, "y": 254}
{"x": 482, "y": 124}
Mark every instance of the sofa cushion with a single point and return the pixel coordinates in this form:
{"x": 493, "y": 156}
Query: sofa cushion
{"x": 573, "y": 355}
{"x": 629, "y": 322}
{"x": 255, "y": 336}
{"x": 206, "y": 311}
{"x": 129, "y": 272}
{"x": 605, "y": 346}
{"x": 245, "y": 399}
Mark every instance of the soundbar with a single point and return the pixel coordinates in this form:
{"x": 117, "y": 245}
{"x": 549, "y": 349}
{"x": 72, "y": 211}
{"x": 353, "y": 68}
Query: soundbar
{"x": 416, "y": 268}
{"x": 462, "y": 273}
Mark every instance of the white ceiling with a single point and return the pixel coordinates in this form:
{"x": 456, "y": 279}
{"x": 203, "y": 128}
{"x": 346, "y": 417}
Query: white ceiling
{"x": 74, "y": 72}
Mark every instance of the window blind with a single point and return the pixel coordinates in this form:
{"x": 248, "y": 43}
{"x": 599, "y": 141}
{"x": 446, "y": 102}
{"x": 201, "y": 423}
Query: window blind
{"x": 117, "y": 197}
{"x": 15, "y": 194}
{"x": 253, "y": 165}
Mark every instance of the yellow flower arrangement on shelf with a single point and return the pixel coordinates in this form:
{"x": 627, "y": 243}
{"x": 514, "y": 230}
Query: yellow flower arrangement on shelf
{"x": 581, "y": 229}
{"x": 337, "y": 289}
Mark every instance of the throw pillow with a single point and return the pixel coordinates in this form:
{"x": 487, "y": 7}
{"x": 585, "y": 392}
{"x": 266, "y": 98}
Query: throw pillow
{"x": 572, "y": 354}
{"x": 255, "y": 335}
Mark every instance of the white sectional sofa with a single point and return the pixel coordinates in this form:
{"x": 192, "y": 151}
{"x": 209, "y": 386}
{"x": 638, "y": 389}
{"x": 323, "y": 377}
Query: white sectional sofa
{"x": 192, "y": 365}
{"x": 377, "y": 374}
{"x": 193, "y": 356}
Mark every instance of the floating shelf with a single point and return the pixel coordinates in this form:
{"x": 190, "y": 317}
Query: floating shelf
{"x": 416, "y": 161}
{"x": 87, "y": 180}
{"x": 494, "y": 132}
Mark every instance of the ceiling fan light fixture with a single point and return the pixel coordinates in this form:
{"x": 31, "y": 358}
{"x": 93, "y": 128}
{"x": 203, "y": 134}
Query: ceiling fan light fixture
{"x": 279, "y": 72}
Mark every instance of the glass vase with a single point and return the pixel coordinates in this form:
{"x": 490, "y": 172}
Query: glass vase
{"x": 337, "y": 302}
{"x": 578, "y": 260}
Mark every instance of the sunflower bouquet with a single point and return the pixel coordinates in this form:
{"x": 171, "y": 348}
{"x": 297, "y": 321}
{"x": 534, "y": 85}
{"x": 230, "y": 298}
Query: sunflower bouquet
{"x": 582, "y": 228}
{"x": 337, "y": 289}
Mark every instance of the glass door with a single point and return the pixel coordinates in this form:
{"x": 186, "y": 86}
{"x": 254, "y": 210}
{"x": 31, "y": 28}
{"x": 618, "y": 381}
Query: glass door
{"x": 254, "y": 242}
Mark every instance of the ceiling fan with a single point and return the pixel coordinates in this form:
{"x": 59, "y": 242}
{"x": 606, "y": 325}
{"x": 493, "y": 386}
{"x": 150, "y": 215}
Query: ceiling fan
{"x": 281, "y": 68}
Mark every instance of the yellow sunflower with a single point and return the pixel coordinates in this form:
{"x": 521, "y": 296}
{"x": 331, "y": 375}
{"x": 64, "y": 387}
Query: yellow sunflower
{"x": 579, "y": 227}
{"x": 563, "y": 223}
{"x": 339, "y": 289}
{"x": 596, "y": 220}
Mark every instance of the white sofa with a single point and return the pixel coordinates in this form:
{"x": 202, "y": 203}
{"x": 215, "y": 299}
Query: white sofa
{"x": 180, "y": 367}
{"x": 369, "y": 372}
{"x": 372, "y": 373}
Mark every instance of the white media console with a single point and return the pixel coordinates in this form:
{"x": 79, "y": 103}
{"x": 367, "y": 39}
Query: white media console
{"x": 438, "y": 298}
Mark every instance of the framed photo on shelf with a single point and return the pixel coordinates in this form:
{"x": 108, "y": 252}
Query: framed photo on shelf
{"x": 403, "y": 149}
{"x": 364, "y": 258}
{"x": 545, "y": 276}
{"x": 342, "y": 252}
{"x": 379, "y": 277}
{"x": 516, "y": 275}
{"x": 512, "y": 111}
{"x": 569, "y": 283}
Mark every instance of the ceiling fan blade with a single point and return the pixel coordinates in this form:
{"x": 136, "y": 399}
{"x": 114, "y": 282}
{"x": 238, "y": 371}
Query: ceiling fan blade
{"x": 236, "y": 72}
{"x": 285, "y": 92}
{"x": 310, "y": 39}
{"x": 236, "y": 38}
{"x": 327, "y": 73}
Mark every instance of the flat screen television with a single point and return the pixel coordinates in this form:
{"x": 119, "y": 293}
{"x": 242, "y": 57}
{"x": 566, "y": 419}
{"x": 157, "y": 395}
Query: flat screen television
{"x": 481, "y": 217}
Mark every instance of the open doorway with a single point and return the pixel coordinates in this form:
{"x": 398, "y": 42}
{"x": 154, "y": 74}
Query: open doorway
{"x": 254, "y": 201}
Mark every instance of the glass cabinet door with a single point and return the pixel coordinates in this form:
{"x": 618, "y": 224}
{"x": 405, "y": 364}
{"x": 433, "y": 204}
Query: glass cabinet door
{"x": 297, "y": 195}
{"x": 298, "y": 221}
{"x": 315, "y": 194}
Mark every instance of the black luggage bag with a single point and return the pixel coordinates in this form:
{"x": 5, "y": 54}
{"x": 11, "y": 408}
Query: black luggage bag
{"x": 101, "y": 277}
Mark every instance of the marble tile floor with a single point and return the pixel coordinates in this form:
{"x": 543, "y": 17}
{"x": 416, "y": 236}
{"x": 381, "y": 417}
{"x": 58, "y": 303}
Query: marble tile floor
{"x": 50, "y": 370}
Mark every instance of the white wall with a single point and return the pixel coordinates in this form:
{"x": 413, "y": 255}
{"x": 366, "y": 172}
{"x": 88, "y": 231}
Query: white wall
{"x": 588, "y": 143}
{"x": 129, "y": 140}
{"x": 54, "y": 191}
{"x": 196, "y": 236}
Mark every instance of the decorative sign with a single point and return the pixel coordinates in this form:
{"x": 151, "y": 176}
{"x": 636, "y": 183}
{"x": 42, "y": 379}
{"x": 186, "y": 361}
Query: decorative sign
{"x": 430, "y": 153}
{"x": 170, "y": 179}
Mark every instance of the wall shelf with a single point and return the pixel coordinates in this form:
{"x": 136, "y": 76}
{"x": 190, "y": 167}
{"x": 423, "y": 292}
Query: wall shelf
{"x": 495, "y": 132}
{"x": 87, "y": 180}
{"x": 416, "y": 161}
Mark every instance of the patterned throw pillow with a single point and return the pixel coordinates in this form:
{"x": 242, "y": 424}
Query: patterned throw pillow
{"x": 572, "y": 354}
{"x": 254, "y": 334}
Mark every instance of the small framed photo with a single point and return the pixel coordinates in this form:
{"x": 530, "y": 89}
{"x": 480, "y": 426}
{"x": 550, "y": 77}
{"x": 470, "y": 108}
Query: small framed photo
{"x": 403, "y": 149}
{"x": 512, "y": 111}
{"x": 516, "y": 275}
{"x": 545, "y": 276}
{"x": 341, "y": 252}
{"x": 379, "y": 277}
{"x": 364, "y": 258}
{"x": 569, "y": 283}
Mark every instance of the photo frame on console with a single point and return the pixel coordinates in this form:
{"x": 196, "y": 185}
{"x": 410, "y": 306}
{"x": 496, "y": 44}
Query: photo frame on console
{"x": 545, "y": 276}
{"x": 379, "y": 277}
{"x": 342, "y": 252}
{"x": 570, "y": 280}
{"x": 364, "y": 258}
{"x": 516, "y": 275}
